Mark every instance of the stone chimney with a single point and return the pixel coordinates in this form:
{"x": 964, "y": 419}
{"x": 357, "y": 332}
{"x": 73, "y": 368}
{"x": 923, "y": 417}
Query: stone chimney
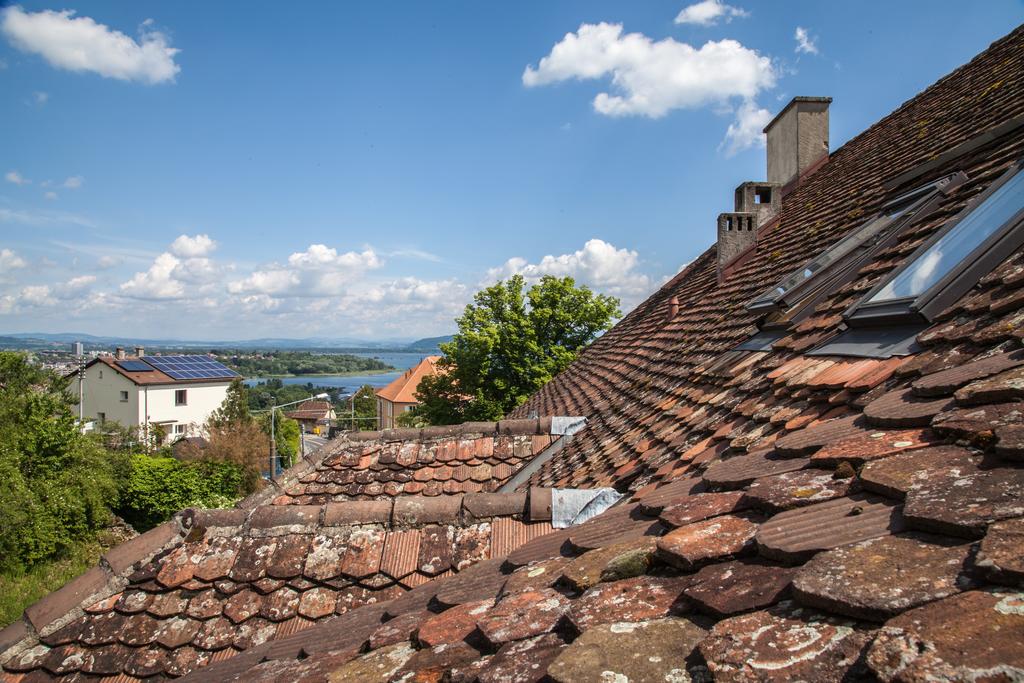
{"x": 140, "y": 351}
{"x": 754, "y": 205}
{"x": 797, "y": 138}
{"x": 119, "y": 353}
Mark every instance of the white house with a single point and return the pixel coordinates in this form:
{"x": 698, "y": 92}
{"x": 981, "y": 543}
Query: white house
{"x": 176, "y": 392}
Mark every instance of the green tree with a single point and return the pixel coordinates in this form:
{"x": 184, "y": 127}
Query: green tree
{"x": 509, "y": 344}
{"x": 286, "y": 432}
{"x": 234, "y": 408}
{"x": 365, "y": 410}
{"x": 57, "y": 486}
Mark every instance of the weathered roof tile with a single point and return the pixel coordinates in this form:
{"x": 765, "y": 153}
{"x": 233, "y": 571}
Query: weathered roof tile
{"x": 654, "y": 650}
{"x": 881, "y": 577}
{"x": 695, "y": 544}
{"x": 1000, "y": 556}
{"x": 970, "y": 636}
{"x": 523, "y": 615}
{"x": 738, "y": 586}
{"x": 796, "y": 489}
{"x": 796, "y": 535}
{"x": 785, "y": 644}
{"x": 635, "y": 599}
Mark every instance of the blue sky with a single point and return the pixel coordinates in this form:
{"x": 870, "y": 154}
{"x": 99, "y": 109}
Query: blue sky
{"x": 190, "y": 170}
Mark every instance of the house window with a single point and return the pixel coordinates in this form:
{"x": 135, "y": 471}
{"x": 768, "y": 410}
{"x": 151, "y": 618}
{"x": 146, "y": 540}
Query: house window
{"x": 179, "y": 428}
{"x": 101, "y": 374}
{"x": 180, "y": 397}
{"x": 124, "y": 396}
{"x": 102, "y": 417}
{"x": 952, "y": 261}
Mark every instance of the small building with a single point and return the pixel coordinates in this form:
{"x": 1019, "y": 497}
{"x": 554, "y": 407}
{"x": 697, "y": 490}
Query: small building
{"x": 314, "y": 417}
{"x": 400, "y": 396}
{"x": 176, "y": 393}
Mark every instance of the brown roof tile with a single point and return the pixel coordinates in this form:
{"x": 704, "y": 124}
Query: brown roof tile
{"x": 785, "y": 644}
{"x": 796, "y": 535}
{"x": 881, "y": 577}
{"x": 964, "y": 637}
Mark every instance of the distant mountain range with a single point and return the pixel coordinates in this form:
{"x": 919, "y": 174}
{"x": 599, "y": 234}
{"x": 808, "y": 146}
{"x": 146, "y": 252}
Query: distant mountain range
{"x": 43, "y": 340}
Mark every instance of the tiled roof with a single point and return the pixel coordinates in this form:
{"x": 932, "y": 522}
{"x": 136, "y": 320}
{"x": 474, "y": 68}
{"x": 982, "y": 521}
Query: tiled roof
{"x": 213, "y": 583}
{"x": 310, "y": 410}
{"x": 403, "y": 388}
{"x": 469, "y": 458}
{"x": 790, "y": 517}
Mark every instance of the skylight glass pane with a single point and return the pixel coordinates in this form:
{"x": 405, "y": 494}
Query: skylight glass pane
{"x": 838, "y": 251}
{"x": 957, "y": 244}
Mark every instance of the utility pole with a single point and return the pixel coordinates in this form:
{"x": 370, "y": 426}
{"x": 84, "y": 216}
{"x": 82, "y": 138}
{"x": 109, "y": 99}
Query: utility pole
{"x": 273, "y": 435}
{"x": 81, "y": 390}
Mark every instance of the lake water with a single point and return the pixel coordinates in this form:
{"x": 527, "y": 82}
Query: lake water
{"x": 350, "y": 383}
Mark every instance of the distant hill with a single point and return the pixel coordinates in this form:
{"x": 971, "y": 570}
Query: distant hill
{"x": 50, "y": 340}
{"x": 431, "y": 344}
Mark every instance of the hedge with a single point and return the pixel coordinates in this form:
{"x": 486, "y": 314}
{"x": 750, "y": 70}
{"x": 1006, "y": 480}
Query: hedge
{"x": 157, "y": 487}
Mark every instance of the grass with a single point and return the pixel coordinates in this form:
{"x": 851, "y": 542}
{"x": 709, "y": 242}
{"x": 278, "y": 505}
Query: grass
{"x": 18, "y": 592}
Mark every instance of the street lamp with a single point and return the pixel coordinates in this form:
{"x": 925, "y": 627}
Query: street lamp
{"x": 273, "y": 425}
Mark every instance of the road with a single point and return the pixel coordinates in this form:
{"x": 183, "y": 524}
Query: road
{"x": 313, "y": 443}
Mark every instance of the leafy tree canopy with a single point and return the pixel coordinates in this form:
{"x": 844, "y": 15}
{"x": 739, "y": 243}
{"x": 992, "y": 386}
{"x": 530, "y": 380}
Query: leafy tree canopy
{"x": 509, "y": 344}
{"x": 56, "y": 484}
{"x": 234, "y": 408}
{"x": 365, "y": 410}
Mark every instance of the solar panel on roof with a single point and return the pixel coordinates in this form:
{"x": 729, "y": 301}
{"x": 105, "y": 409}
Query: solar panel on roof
{"x": 134, "y": 366}
{"x": 191, "y": 367}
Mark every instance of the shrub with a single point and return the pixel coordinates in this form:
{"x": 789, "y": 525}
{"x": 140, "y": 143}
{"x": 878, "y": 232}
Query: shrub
{"x": 160, "y": 486}
{"x": 56, "y": 485}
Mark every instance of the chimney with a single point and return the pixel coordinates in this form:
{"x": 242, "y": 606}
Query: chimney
{"x": 119, "y": 353}
{"x": 140, "y": 351}
{"x": 673, "y": 307}
{"x": 797, "y": 138}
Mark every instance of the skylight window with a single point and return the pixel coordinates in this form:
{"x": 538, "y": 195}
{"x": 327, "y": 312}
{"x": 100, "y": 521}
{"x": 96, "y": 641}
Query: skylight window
{"x": 946, "y": 266}
{"x": 820, "y": 271}
{"x": 957, "y": 244}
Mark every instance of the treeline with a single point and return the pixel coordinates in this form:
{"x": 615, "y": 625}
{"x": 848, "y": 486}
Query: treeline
{"x": 300, "y": 363}
{"x": 262, "y": 394}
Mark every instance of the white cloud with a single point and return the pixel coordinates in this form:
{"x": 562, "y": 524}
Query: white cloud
{"x": 747, "y": 130}
{"x": 108, "y": 261}
{"x": 193, "y": 247}
{"x": 156, "y": 283}
{"x": 16, "y": 178}
{"x": 183, "y": 272}
{"x": 804, "y": 41}
{"x": 317, "y": 272}
{"x": 708, "y": 12}
{"x": 45, "y": 296}
{"x": 653, "y": 78}
{"x": 74, "y": 182}
{"x": 50, "y": 194}
{"x": 598, "y": 264}
{"x": 40, "y": 98}
{"x": 82, "y": 44}
{"x": 9, "y": 261}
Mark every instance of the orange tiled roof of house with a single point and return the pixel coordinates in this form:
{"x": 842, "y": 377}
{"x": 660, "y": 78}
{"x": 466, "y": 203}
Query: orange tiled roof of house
{"x": 403, "y": 388}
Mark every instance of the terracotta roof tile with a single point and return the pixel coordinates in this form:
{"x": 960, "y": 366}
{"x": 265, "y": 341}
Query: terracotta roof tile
{"x": 942, "y": 639}
{"x": 795, "y": 535}
{"x": 882, "y": 577}
{"x": 786, "y": 644}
